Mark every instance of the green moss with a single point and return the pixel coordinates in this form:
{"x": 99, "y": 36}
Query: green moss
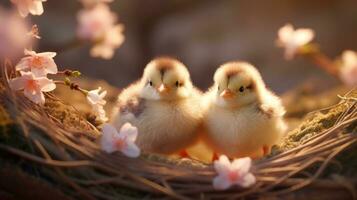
{"x": 313, "y": 124}
{"x": 173, "y": 160}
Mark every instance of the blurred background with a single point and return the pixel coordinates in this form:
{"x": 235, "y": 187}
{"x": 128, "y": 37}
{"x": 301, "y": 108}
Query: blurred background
{"x": 203, "y": 34}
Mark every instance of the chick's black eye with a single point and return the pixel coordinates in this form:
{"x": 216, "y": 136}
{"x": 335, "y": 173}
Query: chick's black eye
{"x": 241, "y": 89}
{"x": 150, "y": 83}
{"x": 177, "y": 84}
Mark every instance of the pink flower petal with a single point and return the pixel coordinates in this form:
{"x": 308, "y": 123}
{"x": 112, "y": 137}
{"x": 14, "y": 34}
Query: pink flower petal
{"x": 247, "y": 180}
{"x": 131, "y": 150}
{"x": 94, "y": 22}
{"x": 107, "y": 145}
{"x": 242, "y": 165}
{"x": 285, "y": 33}
{"x": 108, "y": 138}
{"x": 236, "y": 173}
{"x": 23, "y": 64}
{"x": 25, "y": 6}
{"x": 221, "y": 183}
{"x": 292, "y": 40}
{"x": 50, "y": 66}
{"x": 17, "y": 83}
{"x": 35, "y": 96}
{"x": 303, "y": 36}
{"x": 40, "y": 63}
{"x": 102, "y": 51}
{"x": 129, "y": 131}
{"x": 46, "y": 84}
{"x": 348, "y": 69}
{"x": 39, "y": 72}
{"x": 94, "y": 97}
{"x": 222, "y": 165}
{"x": 349, "y": 58}
{"x": 109, "y": 130}
{"x": 29, "y": 52}
{"x": 36, "y": 7}
{"x": 47, "y": 54}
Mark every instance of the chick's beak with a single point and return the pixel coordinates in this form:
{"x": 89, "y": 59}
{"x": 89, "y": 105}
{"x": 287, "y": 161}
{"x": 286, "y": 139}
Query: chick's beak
{"x": 227, "y": 94}
{"x": 163, "y": 89}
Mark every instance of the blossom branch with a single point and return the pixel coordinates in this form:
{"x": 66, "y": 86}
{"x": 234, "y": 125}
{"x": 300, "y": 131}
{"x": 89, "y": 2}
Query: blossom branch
{"x": 72, "y": 86}
{"x": 314, "y": 54}
{"x": 324, "y": 63}
{"x": 70, "y": 73}
{"x": 298, "y": 42}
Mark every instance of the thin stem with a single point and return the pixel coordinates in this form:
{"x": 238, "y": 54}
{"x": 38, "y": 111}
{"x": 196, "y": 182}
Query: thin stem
{"x": 73, "y": 86}
{"x": 70, "y": 73}
{"x": 324, "y": 63}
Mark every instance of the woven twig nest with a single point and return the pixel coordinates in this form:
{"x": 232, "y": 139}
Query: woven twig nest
{"x": 69, "y": 158}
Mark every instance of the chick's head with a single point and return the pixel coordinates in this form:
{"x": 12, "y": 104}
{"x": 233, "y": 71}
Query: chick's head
{"x": 166, "y": 79}
{"x": 237, "y": 84}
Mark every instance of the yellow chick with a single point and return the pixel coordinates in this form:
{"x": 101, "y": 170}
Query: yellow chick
{"x": 242, "y": 117}
{"x": 163, "y": 105}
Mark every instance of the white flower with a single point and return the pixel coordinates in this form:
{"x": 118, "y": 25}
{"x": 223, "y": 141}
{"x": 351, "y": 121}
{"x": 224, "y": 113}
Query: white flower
{"x": 40, "y": 64}
{"x": 292, "y": 40}
{"x": 235, "y": 173}
{"x": 348, "y": 70}
{"x": 96, "y": 99}
{"x": 29, "y": 6}
{"x": 100, "y": 112}
{"x": 33, "y": 86}
{"x": 124, "y": 141}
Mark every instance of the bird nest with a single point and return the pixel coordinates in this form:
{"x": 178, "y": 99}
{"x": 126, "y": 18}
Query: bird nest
{"x": 66, "y": 156}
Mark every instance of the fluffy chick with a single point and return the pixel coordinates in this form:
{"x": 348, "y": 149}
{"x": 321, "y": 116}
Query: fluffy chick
{"x": 243, "y": 118}
{"x": 163, "y": 105}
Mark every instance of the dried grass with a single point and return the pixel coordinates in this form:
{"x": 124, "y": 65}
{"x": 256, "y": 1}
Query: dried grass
{"x": 73, "y": 159}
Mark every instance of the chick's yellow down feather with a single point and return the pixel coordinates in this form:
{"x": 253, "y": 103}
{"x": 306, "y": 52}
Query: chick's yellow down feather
{"x": 242, "y": 117}
{"x": 163, "y": 105}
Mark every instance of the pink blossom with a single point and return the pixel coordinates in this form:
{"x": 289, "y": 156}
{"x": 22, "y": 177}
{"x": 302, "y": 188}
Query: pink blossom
{"x": 29, "y": 6}
{"x": 112, "y": 40}
{"x": 96, "y": 99}
{"x": 292, "y": 40}
{"x": 94, "y": 22}
{"x": 97, "y": 24}
{"x": 124, "y": 141}
{"x": 33, "y": 86}
{"x": 13, "y": 34}
{"x": 235, "y": 173}
{"x": 40, "y": 64}
{"x": 348, "y": 70}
